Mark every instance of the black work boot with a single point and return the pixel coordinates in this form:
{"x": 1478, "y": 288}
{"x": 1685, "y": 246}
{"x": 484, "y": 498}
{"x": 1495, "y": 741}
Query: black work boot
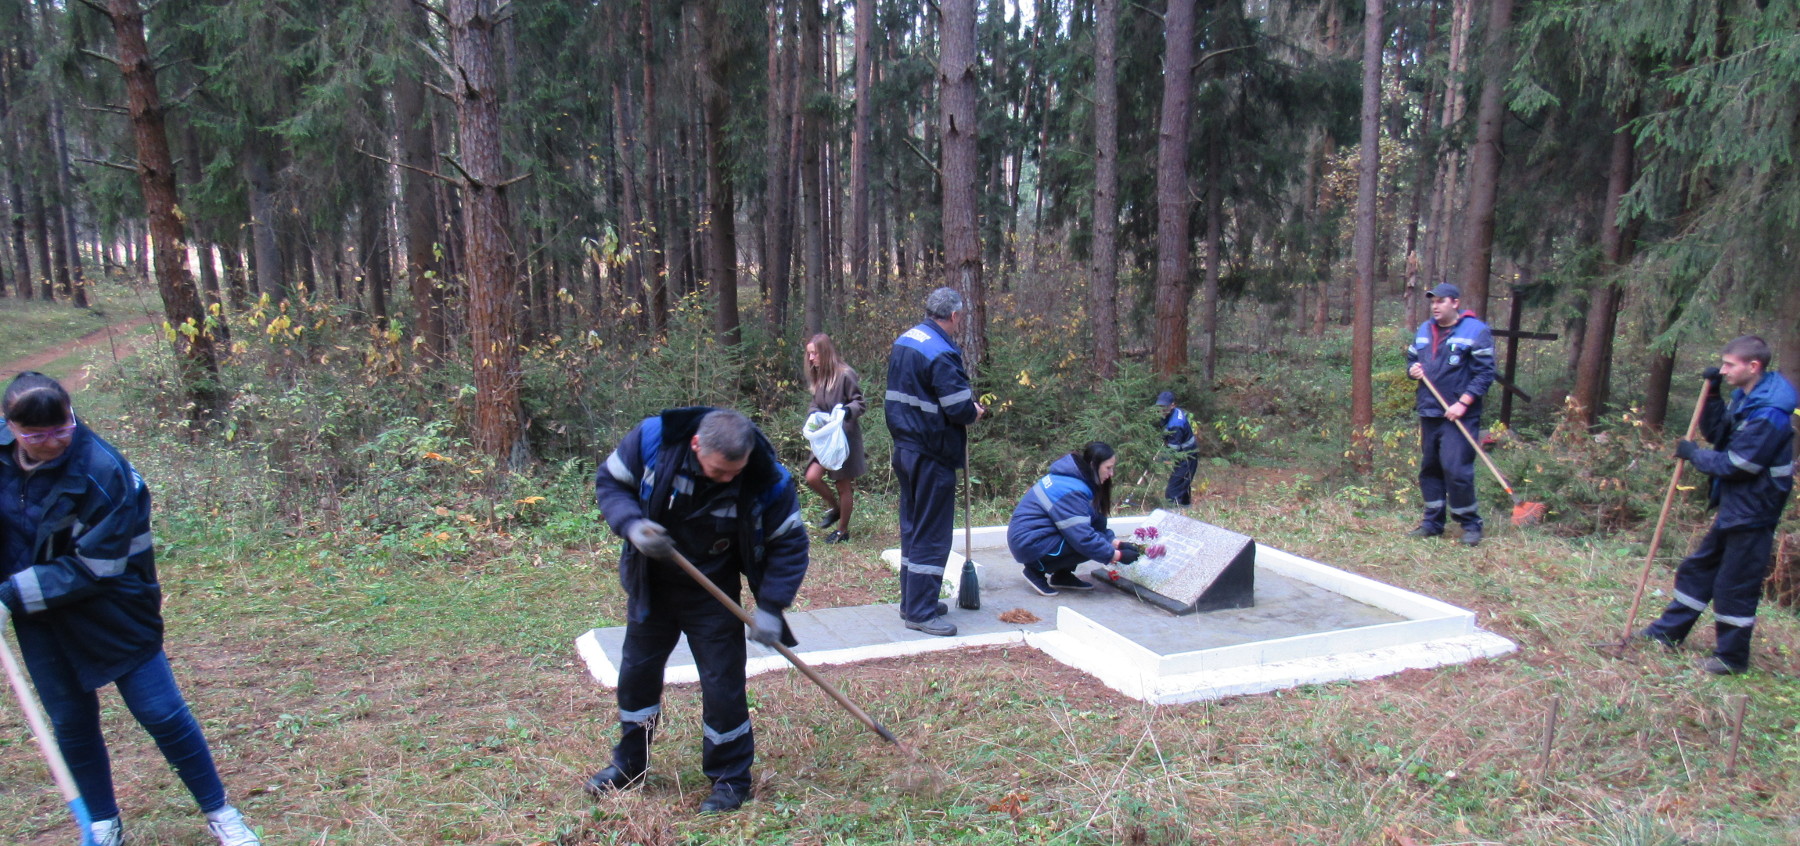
{"x": 612, "y": 779}
{"x": 1424, "y": 532}
{"x": 1471, "y": 537}
{"x": 724, "y": 798}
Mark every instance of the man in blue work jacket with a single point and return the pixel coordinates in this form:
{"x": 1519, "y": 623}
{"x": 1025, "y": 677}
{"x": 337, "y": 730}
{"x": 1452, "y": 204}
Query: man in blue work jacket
{"x": 929, "y": 404}
{"x": 1178, "y": 436}
{"x": 1454, "y": 350}
{"x": 1752, "y": 470}
{"x": 703, "y": 482}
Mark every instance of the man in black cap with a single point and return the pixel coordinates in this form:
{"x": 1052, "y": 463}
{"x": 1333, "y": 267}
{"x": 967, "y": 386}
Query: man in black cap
{"x": 1178, "y": 436}
{"x": 1455, "y": 351}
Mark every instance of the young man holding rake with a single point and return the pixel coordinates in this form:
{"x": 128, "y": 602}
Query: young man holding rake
{"x": 1752, "y": 470}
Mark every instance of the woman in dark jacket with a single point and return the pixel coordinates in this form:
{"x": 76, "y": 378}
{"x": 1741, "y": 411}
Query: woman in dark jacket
{"x": 80, "y": 585}
{"x": 833, "y": 383}
{"x": 1061, "y": 522}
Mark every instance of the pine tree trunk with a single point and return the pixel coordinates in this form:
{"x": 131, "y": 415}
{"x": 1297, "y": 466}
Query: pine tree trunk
{"x": 65, "y": 182}
{"x": 1362, "y": 333}
{"x": 191, "y": 172}
{"x": 859, "y": 145}
{"x": 194, "y": 350}
{"x": 721, "y": 201}
{"x": 270, "y": 269}
{"x": 1173, "y": 197}
{"x": 1215, "y": 234}
{"x": 1606, "y": 296}
{"x": 1103, "y": 276}
{"x": 812, "y": 200}
{"x": 487, "y": 218}
{"x": 957, "y": 131}
{"x": 40, "y": 231}
{"x": 418, "y": 201}
{"x": 1484, "y": 160}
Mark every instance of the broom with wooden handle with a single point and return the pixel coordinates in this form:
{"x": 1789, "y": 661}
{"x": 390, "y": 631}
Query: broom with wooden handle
{"x": 1523, "y": 512}
{"x": 40, "y": 729}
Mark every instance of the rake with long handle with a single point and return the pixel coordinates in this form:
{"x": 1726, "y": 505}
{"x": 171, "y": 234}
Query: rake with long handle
{"x": 811, "y": 674}
{"x": 1662, "y": 519}
{"x": 40, "y": 729}
{"x": 1523, "y": 512}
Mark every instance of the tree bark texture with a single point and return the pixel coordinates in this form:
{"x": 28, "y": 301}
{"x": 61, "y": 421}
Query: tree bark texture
{"x": 1607, "y": 295}
{"x": 1103, "y": 275}
{"x": 194, "y": 350}
{"x": 957, "y": 133}
{"x": 812, "y": 175}
{"x": 859, "y": 145}
{"x": 720, "y": 219}
{"x": 487, "y": 218}
{"x": 1484, "y": 159}
{"x": 418, "y": 200}
{"x": 1174, "y": 200}
{"x": 1368, "y": 171}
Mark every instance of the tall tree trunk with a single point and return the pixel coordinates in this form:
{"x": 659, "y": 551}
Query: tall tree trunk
{"x": 40, "y": 230}
{"x": 812, "y": 199}
{"x": 374, "y": 250}
{"x": 487, "y": 218}
{"x": 1103, "y": 276}
{"x": 1434, "y": 256}
{"x": 194, "y": 350}
{"x": 1606, "y": 296}
{"x": 1174, "y": 200}
{"x": 1215, "y": 233}
{"x": 1362, "y": 333}
{"x": 77, "y": 290}
{"x": 191, "y": 172}
{"x": 654, "y": 235}
{"x": 859, "y": 145}
{"x": 778, "y": 157}
{"x": 721, "y": 201}
{"x": 58, "y": 239}
{"x": 957, "y": 133}
{"x": 270, "y": 269}
{"x": 424, "y": 274}
{"x": 1484, "y": 160}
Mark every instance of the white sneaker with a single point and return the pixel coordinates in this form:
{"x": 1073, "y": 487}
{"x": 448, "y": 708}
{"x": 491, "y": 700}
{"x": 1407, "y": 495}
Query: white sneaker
{"x": 228, "y": 825}
{"x": 107, "y": 832}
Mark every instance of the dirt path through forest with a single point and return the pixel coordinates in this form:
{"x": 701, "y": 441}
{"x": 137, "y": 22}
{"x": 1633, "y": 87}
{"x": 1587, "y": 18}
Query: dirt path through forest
{"x": 78, "y": 380}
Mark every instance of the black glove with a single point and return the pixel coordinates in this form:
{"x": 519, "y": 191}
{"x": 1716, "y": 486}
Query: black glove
{"x": 1712, "y": 374}
{"x": 767, "y": 627}
{"x": 1129, "y": 552}
{"x": 1685, "y": 450}
{"x": 650, "y": 538}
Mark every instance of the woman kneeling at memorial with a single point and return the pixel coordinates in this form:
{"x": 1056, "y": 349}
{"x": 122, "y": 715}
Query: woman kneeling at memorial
{"x": 1061, "y": 522}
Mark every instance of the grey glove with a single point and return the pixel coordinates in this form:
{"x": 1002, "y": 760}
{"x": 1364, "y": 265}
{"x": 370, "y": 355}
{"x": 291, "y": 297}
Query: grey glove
{"x": 767, "y": 626}
{"x": 650, "y": 538}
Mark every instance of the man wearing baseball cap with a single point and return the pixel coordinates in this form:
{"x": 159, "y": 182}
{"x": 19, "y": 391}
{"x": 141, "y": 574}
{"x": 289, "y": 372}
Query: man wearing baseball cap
{"x": 1454, "y": 350}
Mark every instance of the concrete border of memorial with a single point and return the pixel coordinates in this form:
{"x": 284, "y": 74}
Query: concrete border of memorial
{"x": 1137, "y": 648}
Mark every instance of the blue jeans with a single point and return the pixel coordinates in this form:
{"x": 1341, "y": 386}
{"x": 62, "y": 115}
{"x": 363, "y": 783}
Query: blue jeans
{"x": 150, "y": 693}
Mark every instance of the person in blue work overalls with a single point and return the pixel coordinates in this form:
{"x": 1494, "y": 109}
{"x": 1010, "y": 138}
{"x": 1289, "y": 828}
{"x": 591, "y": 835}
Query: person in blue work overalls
{"x": 1061, "y": 522}
{"x": 1455, "y": 350}
{"x": 1178, "y": 436}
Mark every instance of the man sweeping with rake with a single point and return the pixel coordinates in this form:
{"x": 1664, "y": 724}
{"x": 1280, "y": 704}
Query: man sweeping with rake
{"x": 701, "y": 484}
{"x": 1452, "y": 355}
{"x": 1752, "y": 470}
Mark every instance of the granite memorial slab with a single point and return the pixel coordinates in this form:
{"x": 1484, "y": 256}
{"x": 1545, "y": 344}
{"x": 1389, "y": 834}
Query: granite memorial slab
{"x": 1189, "y": 566}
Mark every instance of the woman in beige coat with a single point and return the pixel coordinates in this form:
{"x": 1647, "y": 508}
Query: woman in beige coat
{"x": 833, "y": 383}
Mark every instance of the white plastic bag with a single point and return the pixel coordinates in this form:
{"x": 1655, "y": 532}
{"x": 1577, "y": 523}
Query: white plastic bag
{"x": 826, "y": 434}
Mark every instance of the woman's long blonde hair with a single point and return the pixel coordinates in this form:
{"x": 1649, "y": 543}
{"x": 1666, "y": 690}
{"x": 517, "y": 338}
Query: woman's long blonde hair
{"x": 830, "y": 368}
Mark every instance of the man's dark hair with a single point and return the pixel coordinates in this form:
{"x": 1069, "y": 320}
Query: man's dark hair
{"x": 34, "y": 399}
{"x": 727, "y": 434}
{"x": 942, "y": 303}
{"x": 1749, "y": 348}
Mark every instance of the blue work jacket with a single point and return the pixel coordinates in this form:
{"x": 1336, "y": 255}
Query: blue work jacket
{"x": 1752, "y": 459}
{"x": 1459, "y": 359}
{"x": 929, "y": 400}
{"x": 1059, "y": 509}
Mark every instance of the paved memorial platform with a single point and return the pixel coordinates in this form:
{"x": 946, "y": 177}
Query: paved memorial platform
{"x": 1311, "y": 623}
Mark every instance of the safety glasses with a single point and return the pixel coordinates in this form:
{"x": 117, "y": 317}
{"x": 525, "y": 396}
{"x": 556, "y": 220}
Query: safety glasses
{"x": 43, "y": 437}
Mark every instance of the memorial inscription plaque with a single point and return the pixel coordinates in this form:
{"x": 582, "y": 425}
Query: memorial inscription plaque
{"x": 1201, "y": 567}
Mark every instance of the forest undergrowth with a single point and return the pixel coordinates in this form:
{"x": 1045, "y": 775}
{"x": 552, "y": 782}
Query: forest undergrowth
{"x": 377, "y": 632}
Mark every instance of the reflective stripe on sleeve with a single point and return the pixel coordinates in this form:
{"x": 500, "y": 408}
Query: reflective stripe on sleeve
{"x": 915, "y": 402}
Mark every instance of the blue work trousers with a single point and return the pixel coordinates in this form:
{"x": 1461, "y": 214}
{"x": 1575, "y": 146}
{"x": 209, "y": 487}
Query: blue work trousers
{"x": 1447, "y": 473}
{"x": 715, "y": 636}
{"x": 150, "y": 693}
{"x": 1180, "y": 490}
{"x": 1727, "y": 570}
{"x": 927, "y": 527}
